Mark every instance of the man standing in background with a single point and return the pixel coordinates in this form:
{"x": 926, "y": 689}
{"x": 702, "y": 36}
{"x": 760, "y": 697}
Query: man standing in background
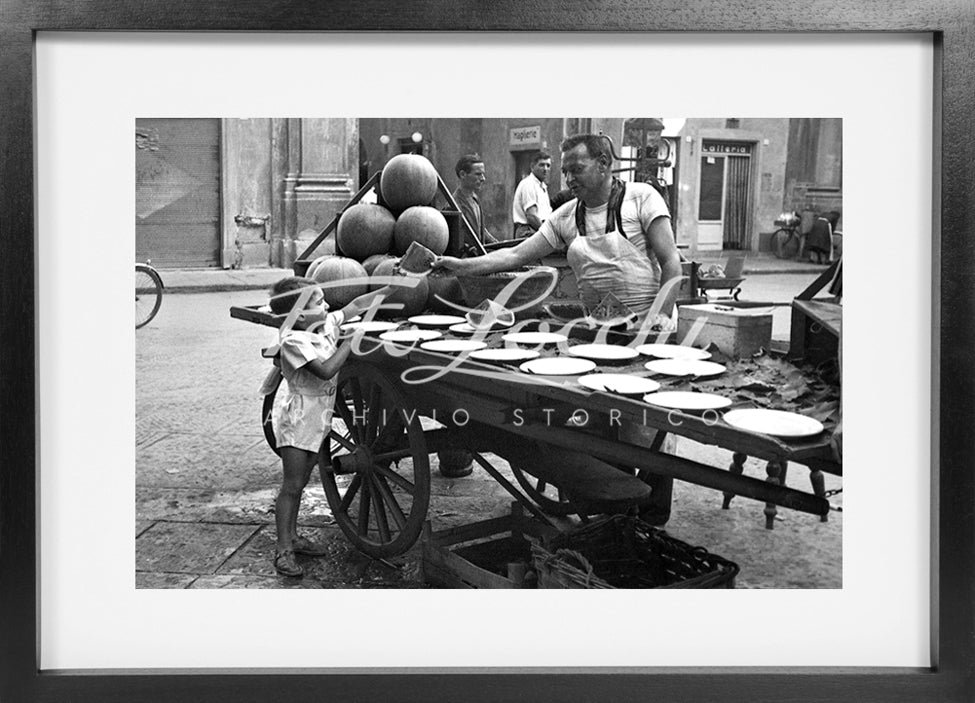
{"x": 471, "y": 173}
{"x": 531, "y": 205}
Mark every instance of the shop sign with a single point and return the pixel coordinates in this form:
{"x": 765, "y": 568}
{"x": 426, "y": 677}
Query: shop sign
{"x": 740, "y": 148}
{"x": 521, "y": 136}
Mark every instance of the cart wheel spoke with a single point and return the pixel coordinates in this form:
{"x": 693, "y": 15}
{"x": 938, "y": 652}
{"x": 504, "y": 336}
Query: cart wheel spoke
{"x": 365, "y": 500}
{"x": 345, "y": 441}
{"x": 358, "y": 408}
{"x": 373, "y": 427}
{"x": 350, "y": 494}
{"x": 400, "y": 481}
{"x": 390, "y": 500}
{"x": 382, "y": 521}
{"x": 346, "y": 414}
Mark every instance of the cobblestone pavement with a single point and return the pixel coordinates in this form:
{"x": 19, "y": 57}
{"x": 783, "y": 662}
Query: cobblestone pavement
{"x": 206, "y": 480}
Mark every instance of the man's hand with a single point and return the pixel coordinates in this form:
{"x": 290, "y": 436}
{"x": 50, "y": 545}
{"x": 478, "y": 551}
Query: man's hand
{"x": 448, "y": 263}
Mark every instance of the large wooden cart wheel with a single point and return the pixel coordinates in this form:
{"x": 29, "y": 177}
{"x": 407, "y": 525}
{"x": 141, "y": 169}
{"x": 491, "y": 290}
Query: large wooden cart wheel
{"x": 375, "y": 467}
{"x": 549, "y": 497}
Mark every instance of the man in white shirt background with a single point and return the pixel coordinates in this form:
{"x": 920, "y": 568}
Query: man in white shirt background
{"x": 531, "y": 206}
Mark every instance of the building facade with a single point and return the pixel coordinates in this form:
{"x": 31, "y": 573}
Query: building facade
{"x": 254, "y": 192}
{"x": 231, "y": 193}
{"x": 734, "y": 177}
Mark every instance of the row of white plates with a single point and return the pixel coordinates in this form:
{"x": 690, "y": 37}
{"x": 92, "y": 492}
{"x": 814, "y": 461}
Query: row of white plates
{"x": 672, "y": 360}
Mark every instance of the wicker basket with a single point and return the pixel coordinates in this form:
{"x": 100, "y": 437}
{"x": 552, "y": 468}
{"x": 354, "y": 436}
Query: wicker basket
{"x": 623, "y": 552}
{"x": 535, "y": 281}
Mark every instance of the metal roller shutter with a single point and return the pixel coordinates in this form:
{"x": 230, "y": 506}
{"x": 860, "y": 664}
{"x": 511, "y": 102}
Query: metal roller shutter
{"x": 177, "y": 192}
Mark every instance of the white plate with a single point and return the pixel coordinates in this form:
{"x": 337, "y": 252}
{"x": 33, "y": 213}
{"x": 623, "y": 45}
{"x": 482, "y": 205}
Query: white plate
{"x": 558, "y": 366}
{"x": 777, "y": 423}
{"x": 684, "y": 367}
{"x": 672, "y": 351}
{"x": 603, "y": 352}
{"x": 409, "y": 336}
{"x": 534, "y": 338}
{"x": 453, "y": 346}
{"x": 463, "y": 328}
{"x": 621, "y": 383}
{"x": 436, "y": 320}
{"x": 370, "y": 327}
{"x": 505, "y": 355}
{"x": 685, "y": 400}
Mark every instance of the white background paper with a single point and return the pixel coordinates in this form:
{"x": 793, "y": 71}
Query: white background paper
{"x": 90, "y": 89}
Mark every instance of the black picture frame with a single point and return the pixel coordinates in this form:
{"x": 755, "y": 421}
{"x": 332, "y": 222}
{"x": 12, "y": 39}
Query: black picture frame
{"x": 951, "y": 25}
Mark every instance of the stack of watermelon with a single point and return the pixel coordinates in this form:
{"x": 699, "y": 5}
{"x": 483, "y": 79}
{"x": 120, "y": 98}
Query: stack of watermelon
{"x": 370, "y": 238}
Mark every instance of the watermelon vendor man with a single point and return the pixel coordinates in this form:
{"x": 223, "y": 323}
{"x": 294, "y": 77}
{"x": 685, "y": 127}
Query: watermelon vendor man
{"x": 618, "y": 239}
{"x": 617, "y": 236}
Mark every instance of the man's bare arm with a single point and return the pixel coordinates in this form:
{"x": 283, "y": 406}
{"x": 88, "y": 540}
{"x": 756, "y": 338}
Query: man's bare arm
{"x": 532, "y": 249}
{"x": 661, "y": 238}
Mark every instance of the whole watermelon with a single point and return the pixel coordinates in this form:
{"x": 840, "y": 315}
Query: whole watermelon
{"x": 336, "y": 269}
{"x": 422, "y": 224}
{"x": 373, "y": 261}
{"x": 313, "y": 266}
{"x": 413, "y": 300}
{"x": 407, "y": 180}
{"x": 365, "y": 229}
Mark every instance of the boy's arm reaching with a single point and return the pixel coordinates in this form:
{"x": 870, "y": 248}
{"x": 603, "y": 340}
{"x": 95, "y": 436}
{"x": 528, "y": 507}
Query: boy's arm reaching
{"x": 327, "y": 368}
{"x": 363, "y": 302}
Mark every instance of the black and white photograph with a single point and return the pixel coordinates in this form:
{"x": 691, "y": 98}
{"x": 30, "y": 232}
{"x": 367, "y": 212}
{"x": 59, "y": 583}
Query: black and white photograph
{"x": 489, "y": 353}
{"x": 440, "y": 391}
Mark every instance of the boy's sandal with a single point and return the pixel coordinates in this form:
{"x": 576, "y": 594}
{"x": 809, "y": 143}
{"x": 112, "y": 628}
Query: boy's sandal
{"x": 286, "y": 565}
{"x": 303, "y": 545}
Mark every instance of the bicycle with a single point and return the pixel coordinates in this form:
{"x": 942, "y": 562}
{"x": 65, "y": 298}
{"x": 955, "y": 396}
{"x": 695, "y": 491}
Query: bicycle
{"x": 786, "y": 240}
{"x": 148, "y": 293}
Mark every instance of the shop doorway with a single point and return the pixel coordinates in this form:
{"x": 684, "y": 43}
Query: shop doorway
{"x": 523, "y": 165}
{"x": 725, "y": 196}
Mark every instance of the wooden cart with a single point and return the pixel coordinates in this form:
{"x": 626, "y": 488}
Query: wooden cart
{"x": 397, "y": 404}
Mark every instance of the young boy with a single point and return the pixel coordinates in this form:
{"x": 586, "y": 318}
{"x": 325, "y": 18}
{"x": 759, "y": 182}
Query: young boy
{"x": 302, "y": 414}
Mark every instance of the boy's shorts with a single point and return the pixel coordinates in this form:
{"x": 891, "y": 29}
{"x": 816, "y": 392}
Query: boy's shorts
{"x": 301, "y": 420}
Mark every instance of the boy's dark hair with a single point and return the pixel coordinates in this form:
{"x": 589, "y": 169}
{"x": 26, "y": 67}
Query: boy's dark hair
{"x": 285, "y": 293}
{"x": 596, "y": 145}
{"x": 540, "y": 156}
{"x": 466, "y": 162}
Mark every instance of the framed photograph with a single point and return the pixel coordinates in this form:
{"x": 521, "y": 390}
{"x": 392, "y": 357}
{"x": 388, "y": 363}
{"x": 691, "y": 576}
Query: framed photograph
{"x": 884, "y": 98}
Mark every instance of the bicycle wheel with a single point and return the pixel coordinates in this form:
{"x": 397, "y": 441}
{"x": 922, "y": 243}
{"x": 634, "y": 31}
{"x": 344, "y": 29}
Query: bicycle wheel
{"x": 148, "y": 294}
{"x": 785, "y": 243}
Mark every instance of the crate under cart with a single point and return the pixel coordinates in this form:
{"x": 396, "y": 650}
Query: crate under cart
{"x": 623, "y": 552}
{"x": 494, "y": 553}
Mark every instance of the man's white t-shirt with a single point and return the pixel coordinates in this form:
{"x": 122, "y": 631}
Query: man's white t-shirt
{"x": 530, "y": 191}
{"x": 641, "y": 206}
